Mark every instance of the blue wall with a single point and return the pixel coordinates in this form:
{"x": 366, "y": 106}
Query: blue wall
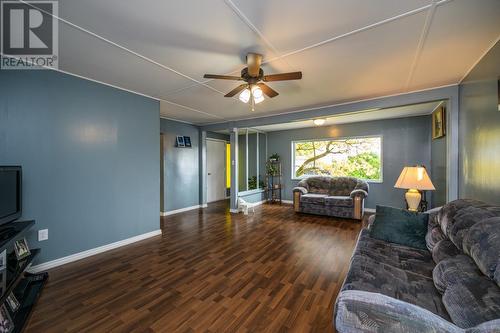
{"x": 218, "y": 136}
{"x": 480, "y": 131}
{"x": 406, "y": 141}
{"x": 181, "y": 167}
{"x": 89, "y": 155}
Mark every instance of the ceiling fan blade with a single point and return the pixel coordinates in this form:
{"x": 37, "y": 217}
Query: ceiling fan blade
{"x": 253, "y": 63}
{"x": 222, "y": 77}
{"x": 236, "y": 90}
{"x": 283, "y": 77}
{"x": 268, "y": 91}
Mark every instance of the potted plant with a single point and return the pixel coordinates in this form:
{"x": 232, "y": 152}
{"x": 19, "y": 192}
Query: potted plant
{"x": 272, "y": 169}
{"x": 274, "y": 157}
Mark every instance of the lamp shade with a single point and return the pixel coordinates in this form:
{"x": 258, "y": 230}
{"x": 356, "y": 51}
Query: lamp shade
{"x": 414, "y": 178}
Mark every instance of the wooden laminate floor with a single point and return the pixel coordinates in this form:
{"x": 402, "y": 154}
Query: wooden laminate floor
{"x": 211, "y": 271}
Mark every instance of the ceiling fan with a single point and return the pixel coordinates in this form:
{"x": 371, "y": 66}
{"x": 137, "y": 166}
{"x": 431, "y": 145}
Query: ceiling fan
{"x": 254, "y": 88}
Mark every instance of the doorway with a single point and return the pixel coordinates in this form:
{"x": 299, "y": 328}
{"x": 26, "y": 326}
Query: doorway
{"x": 216, "y": 170}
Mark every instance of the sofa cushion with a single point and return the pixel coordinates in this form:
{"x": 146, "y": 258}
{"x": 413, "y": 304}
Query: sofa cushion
{"x": 339, "y": 201}
{"x": 456, "y": 217}
{"x": 343, "y": 186}
{"x": 319, "y": 185}
{"x": 370, "y": 275}
{"x": 446, "y": 216}
{"x": 400, "y": 226}
{"x": 472, "y": 301}
{"x": 313, "y": 198}
{"x": 400, "y": 256}
{"x": 482, "y": 243}
{"x": 433, "y": 236}
{"x": 322, "y": 209}
{"x": 454, "y": 270}
{"x": 465, "y": 219}
{"x": 444, "y": 249}
{"x": 434, "y": 232}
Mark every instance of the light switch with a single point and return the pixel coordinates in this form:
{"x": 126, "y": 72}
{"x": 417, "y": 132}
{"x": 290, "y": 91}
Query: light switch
{"x": 43, "y": 234}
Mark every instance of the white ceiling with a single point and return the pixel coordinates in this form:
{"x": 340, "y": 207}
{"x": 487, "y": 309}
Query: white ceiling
{"x": 359, "y": 116}
{"x": 347, "y": 49}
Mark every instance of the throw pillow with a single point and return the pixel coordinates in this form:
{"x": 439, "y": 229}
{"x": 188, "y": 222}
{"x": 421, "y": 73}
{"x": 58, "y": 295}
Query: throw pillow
{"x": 400, "y": 226}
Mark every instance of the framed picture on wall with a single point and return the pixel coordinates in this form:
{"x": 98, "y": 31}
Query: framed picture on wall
{"x": 180, "y": 141}
{"x": 187, "y": 141}
{"x": 438, "y": 122}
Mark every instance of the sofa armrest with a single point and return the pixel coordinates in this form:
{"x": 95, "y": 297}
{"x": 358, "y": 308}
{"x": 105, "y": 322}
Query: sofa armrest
{"x": 297, "y": 193}
{"x": 301, "y": 189}
{"x": 434, "y": 210}
{"x": 362, "y": 311}
{"x": 359, "y": 192}
{"x": 371, "y": 220}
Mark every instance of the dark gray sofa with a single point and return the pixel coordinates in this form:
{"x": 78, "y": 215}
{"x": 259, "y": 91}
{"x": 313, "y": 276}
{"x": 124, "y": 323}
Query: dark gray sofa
{"x": 452, "y": 287}
{"x": 331, "y": 196}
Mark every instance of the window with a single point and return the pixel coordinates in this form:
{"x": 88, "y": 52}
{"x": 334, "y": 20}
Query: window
{"x": 357, "y": 157}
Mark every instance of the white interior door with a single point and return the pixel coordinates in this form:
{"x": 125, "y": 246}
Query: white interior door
{"x": 216, "y": 170}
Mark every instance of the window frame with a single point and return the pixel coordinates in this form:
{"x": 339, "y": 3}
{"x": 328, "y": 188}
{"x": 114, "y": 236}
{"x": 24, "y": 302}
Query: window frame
{"x": 246, "y": 131}
{"x": 378, "y": 181}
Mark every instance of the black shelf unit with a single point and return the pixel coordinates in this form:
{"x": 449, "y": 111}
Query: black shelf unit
{"x": 15, "y": 270}
{"x": 13, "y": 277}
{"x": 9, "y": 232}
{"x": 273, "y": 181}
{"x": 27, "y": 292}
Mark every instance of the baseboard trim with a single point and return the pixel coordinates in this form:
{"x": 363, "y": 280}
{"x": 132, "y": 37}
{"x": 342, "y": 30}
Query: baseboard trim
{"x": 369, "y": 210}
{"x": 180, "y": 210}
{"x": 287, "y": 201}
{"x": 84, "y": 254}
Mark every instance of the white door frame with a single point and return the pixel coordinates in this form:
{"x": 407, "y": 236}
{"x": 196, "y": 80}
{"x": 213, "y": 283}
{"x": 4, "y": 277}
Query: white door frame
{"x": 225, "y": 164}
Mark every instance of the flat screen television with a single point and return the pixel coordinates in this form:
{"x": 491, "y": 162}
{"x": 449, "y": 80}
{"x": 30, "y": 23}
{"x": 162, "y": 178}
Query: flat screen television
{"x": 10, "y": 193}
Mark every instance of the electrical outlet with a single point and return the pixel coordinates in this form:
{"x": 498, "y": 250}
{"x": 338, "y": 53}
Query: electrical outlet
{"x": 43, "y": 234}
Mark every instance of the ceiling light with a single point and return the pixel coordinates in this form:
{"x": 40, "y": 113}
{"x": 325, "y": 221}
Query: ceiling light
{"x": 257, "y": 94}
{"x": 257, "y": 100}
{"x": 319, "y": 121}
{"x": 245, "y": 95}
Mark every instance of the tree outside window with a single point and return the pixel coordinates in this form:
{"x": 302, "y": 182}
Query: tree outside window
{"x": 356, "y": 157}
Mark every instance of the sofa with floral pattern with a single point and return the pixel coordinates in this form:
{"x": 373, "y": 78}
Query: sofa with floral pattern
{"x": 331, "y": 196}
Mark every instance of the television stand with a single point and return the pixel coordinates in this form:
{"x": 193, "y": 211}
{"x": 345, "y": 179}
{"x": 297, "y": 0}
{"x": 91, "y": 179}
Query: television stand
{"x": 14, "y": 279}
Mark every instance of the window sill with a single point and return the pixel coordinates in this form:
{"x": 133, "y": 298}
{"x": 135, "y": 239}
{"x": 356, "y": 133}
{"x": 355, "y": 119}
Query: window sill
{"x": 250, "y": 192}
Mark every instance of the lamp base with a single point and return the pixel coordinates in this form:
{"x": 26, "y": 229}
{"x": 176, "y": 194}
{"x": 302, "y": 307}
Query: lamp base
{"x": 413, "y": 199}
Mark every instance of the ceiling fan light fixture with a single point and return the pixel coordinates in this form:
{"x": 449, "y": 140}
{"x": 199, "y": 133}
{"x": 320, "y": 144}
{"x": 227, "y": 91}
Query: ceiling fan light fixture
{"x": 254, "y": 87}
{"x": 245, "y": 95}
{"x": 258, "y": 95}
{"x": 257, "y": 92}
{"x": 257, "y": 100}
{"x": 319, "y": 121}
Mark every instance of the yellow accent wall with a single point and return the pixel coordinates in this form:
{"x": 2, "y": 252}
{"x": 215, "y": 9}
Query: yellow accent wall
{"x": 228, "y": 165}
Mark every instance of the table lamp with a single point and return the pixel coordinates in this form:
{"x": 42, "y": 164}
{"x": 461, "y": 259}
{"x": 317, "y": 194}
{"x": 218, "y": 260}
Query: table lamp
{"x": 414, "y": 179}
